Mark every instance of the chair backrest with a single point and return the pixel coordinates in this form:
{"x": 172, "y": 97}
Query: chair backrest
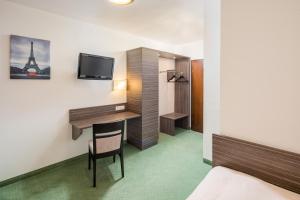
{"x": 108, "y": 137}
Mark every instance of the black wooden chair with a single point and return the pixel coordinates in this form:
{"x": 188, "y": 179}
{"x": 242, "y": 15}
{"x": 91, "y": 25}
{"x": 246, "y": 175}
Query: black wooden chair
{"x": 107, "y": 141}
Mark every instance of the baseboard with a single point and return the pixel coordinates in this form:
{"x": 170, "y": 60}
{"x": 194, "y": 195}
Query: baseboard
{"x": 206, "y": 161}
{"x": 38, "y": 171}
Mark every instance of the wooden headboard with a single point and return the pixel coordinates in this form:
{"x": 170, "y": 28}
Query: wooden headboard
{"x": 281, "y": 168}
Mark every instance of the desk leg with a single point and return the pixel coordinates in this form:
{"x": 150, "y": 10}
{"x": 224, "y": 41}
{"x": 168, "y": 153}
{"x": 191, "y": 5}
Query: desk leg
{"x": 76, "y": 133}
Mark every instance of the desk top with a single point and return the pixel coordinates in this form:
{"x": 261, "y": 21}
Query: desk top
{"x": 87, "y": 123}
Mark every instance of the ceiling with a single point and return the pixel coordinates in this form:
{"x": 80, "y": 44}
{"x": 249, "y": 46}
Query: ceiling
{"x": 170, "y": 21}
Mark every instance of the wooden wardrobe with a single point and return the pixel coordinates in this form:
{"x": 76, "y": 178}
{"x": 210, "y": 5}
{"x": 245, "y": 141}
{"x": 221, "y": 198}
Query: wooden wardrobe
{"x": 143, "y": 91}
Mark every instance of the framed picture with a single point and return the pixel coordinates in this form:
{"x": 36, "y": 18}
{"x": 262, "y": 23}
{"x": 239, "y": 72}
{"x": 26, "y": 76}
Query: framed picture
{"x": 29, "y": 58}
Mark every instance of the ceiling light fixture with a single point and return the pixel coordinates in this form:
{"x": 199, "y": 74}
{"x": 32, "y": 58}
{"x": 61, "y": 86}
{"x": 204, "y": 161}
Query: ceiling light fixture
{"x": 121, "y": 2}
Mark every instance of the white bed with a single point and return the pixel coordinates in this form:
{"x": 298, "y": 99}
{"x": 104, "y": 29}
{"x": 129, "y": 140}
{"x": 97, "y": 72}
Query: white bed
{"x": 226, "y": 184}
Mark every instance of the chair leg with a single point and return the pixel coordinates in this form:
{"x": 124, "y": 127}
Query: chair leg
{"x": 122, "y": 163}
{"x": 89, "y": 167}
{"x": 94, "y": 172}
{"x": 114, "y": 158}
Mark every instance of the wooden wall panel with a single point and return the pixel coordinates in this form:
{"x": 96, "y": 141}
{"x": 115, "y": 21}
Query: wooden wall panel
{"x": 279, "y": 167}
{"x": 90, "y": 112}
{"x": 182, "y": 89}
{"x": 142, "y": 96}
{"x": 134, "y": 96}
{"x": 150, "y": 104}
{"x": 134, "y": 132}
{"x": 150, "y": 97}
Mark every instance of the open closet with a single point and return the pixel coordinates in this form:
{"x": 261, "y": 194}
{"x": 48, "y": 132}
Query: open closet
{"x": 143, "y": 74}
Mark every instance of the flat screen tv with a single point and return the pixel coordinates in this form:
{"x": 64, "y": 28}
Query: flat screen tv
{"x": 94, "y": 67}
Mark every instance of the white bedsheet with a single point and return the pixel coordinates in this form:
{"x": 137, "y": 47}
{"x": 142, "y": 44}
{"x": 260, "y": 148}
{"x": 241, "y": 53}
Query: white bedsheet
{"x": 225, "y": 184}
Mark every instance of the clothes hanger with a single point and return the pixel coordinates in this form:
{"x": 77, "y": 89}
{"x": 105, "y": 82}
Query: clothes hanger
{"x": 173, "y": 75}
{"x": 181, "y": 78}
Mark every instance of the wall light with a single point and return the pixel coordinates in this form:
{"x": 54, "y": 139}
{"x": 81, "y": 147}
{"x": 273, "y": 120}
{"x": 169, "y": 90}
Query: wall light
{"x": 120, "y": 85}
{"x": 121, "y": 2}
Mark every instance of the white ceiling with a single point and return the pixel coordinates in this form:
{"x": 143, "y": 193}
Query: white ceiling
{"x": 171, "y": 21}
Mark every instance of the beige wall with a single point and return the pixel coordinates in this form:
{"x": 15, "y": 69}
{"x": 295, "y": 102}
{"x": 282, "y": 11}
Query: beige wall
{"x": 260, "y": 71}
{"x": 193, "y": 50}
{"x": 34, "y": 128}
{"x": 34, "y": 113}
{"x": 166, "y": 89}
{"x": 211, "y": 74}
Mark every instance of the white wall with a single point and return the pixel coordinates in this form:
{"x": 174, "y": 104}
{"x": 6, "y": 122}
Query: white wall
{"x": 211, "y": 74}
{"x": 166, "y": 89}
{"x": 193, "y": 50}
{"x": 34, "y": 113}
{"x": 260, "y": 69}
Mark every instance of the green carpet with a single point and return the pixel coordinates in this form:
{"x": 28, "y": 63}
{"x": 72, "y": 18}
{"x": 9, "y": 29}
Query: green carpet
{"x": 168, "y": 171}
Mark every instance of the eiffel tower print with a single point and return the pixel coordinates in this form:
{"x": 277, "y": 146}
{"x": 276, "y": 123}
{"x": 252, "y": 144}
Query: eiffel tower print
{"x": 29, "y": 58}
{"x": 31, "y": 64}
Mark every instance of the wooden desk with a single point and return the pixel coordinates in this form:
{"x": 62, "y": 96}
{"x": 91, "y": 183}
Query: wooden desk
{"x": 79, "y": 125}
{"x": 85, "y": 117}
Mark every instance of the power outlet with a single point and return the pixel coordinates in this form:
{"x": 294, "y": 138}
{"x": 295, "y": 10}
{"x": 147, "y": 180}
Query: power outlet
{"x": 120, "y": 108}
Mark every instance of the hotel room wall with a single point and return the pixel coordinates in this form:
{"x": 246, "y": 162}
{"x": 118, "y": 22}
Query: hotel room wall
{"x": 260, "y": 69}
{"x": 194, "y": 50}
{"x": 166, "y": 89}
{"x": 211, "y": 119}
{"x": 34, "y": 113}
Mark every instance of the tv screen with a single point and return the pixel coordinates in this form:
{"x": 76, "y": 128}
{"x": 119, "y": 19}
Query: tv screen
{"x": 95, "y": 67}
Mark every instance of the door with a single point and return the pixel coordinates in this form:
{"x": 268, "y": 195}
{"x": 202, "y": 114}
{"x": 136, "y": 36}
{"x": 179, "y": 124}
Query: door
{"x": 197, "y": 95}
